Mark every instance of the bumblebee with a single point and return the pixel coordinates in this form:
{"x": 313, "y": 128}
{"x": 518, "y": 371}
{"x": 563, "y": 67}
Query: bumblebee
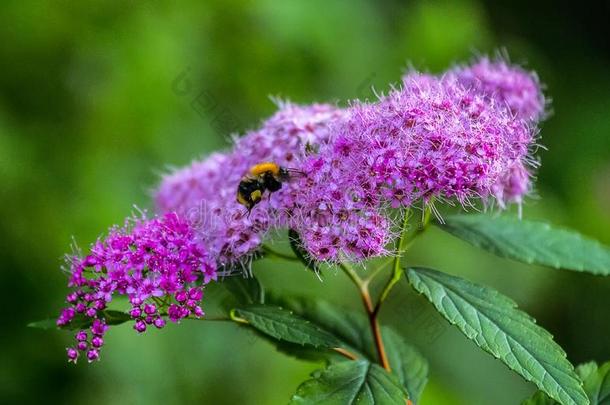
{"x": 262, "y": 177}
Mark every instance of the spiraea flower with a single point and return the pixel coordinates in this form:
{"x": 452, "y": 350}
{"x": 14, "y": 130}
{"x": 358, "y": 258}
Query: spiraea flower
{"x": 333, "y": 207}
{"x": 205, "y": 191}
{"x": 159, "y": 265}
{"x": 521, "y": 92}
{"x": 510, "y": 84}
{"x": 432, "y": 139}
{"x": 464, "y": 136}
{"x": 464, "y": 144}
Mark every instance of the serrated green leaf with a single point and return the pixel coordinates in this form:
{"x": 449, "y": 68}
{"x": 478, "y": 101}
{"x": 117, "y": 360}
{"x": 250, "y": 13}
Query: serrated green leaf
{"x": 113, "y": 317}
{"x": 498, "y": 327}
{"x": 45, "y": 324}
{"x": 351, "y": 382}
{"x": 283, "y": 324}
{"x": 596, "y": 385}
{"x": 235, "y": 291}
{"x": 349, "y": 328}
{"x": 246, "y": 290}
{"x": 81, "y": 321}
{"x": 353, "y": 333}
{"x": 308, "y": 352}
{"x": 531, "y": 242}
{"x": 409, "y": 366}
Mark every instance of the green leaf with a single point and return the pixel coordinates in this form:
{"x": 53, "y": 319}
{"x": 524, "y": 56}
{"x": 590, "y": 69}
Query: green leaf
{"x": 531, "y": 242}
{"x": 46, "y": 324}
{"x": 596, "y": 385}
{"x": 235, "y": 291}
{"x": 113, "y": 317}
{"x": 283, "y": 324}
{"x": 539, "y": 398}
{"x": 81, "y": 321}
{"x": 494, "y": 323}
{"x": 351, "y": 382}
{"x": 350, "y": 329}
{"x": 353, "y": 334}
{"x": 409, "y": 366}
{"x": 246, "y": 290}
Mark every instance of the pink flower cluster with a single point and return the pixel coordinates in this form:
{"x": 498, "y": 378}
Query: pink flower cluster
{"x": 463, "y": 136}
{"x": 521, "y": 92}
{"x": 432, "y": 140}
{"x": 205, "y": 191}
{"x": 508, "y": 84}
{"x": 159, "y": 264}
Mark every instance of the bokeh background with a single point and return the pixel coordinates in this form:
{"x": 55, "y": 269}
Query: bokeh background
{"x": 98, "y": 98}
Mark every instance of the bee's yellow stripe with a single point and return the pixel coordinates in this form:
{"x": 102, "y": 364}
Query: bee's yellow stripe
{"x": 256, "y": 195}
{"x": 265, "y": 167}
{"x": 241, "y": 200}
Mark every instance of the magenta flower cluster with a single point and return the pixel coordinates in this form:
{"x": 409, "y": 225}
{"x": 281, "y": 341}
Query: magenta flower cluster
{"x": 508, "y": 84}
{"x": 205, "y": 191}
{"x": 159, "y": 264}
{"x": 463, "y": 136}
{"x": 432, "y": 140}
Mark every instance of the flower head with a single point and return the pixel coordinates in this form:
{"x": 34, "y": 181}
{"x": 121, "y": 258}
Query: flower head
{"x": 519, "y": 89}
{"x": 205, "y": 192}
{"x": 152, "y": 262}
{"x": 463, "y": 136}
{"x": 454, "y": 142}
{"x": 432, "y": 139}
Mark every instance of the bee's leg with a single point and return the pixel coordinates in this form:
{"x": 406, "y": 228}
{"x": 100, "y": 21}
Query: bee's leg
{"x": 288, "y": 171}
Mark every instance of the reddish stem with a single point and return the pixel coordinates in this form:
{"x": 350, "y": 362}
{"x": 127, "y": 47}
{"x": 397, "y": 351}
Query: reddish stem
{"x": 375, "y": 328}
{"x": 371, "y": 310}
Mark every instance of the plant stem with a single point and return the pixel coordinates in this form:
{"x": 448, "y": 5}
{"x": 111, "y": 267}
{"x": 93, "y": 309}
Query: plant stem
{"x": 363, "y": 287}
{"x": 351, "y": 273}
{"x": 403, "y": 242}
{"x": 376, "y": 329}
{"x": 211, "y": 319}
{"x": 203, "y": 318}
{"x": 345, "y": 353}
{"x": 396, "y": 269}
{"x": 236, "y": 318}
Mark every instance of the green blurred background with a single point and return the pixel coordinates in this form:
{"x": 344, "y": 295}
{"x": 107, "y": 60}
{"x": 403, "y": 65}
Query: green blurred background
{"x": 91, "y": 112}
